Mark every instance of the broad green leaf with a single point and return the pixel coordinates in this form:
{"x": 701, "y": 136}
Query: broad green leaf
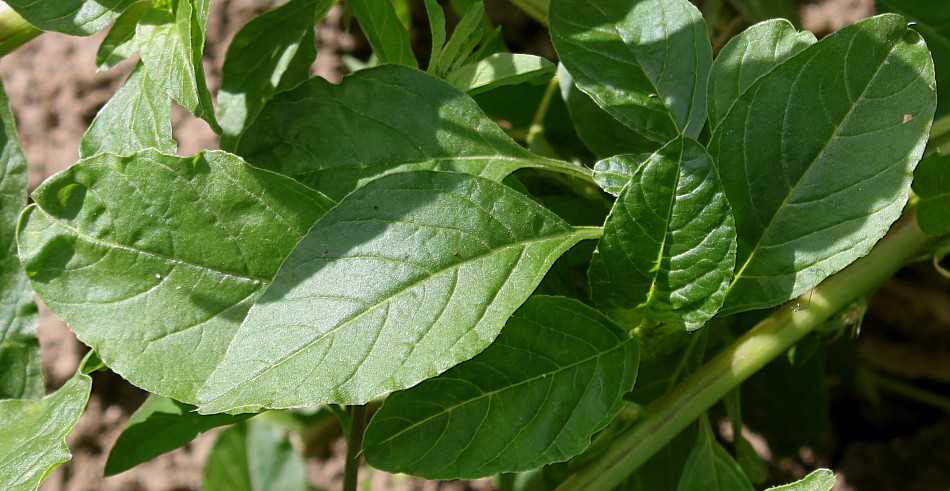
{"x": 437, "y": 26}
{"x": 387, "y": 290}
{"x": 137, "y": 117}
{"x": 669, "y": 244}
{"x": 153, "y": 260}
{"x": 254, "y": 456}
{"x": 818, "y": 480}
{"x": 500, "y": 69}
{"x": 21, "y": 375}
{"x": 645, "y": 62}
{"x": 762, "y": 10}
{"x": 383, "y": 30}
{"x": 816, "y": 156}
{"x": 554, "y": 377}
{"x": 932, "y": 185}
{"x": 158, "y": 426}
{"x": 612, "y": 174}
{"x": 746, "y": 58}
{"x": 406, "y": 120}
{"x": 119, "y": 43}
{"x": 932, "y": 21}
{"x": 710, "y": 468}
{"x": 33, "y": 433}
{"x": 74, "y": 17}
{"x": 599, "y": 131}
{"x": 171, "y": 39}
{"x": 260, "y": 55}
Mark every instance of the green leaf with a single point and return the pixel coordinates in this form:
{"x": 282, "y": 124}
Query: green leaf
{"x": 21, "y": 375}
{"x": 171, "y": 40}
{"x": 119, "y": 43}
{"x": 746, "y": 58}
{"x": 73, "y": 17}
{"x": 158, "y": 426}
{"x": 669, "y": 245}
{"x": 33, "y": 433}
{"x": 710, "y": 468}
{"x": 763, "y": 10}
{"x": 645, "y": 62}
{"x": 612, "y": 174}
{"x": 816, "y": 156}
{"x": 467, "y": 34}
{"x": 500, "y": 69}
{"x": 515, "y": 406}
{"x": 437, "y": 26}
{"x": 254, "y": 456}
{"x": 260, "y": 55}
{"x": 406, "y": 120}
{"x": 153, "y": 260}
{"x": 384, "y": 31}
{"x": 137, "y": 117}
{"x": 599, "y": 131}
{"x": 932, "y": 185}
{"x": 387, "y": 290}
{"x": 818, "y": 480}
{"x": 932, "y": 21}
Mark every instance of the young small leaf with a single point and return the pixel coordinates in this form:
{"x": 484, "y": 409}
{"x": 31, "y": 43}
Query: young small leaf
{"x": 932, "y": 185}
{"x": 816, "y": 155}
{"x": 500, "y": 69}
{"x": 160, "y": 425}
{"x": 669, "y": 244}
{"x": 818, "y": 480}
{"x": 384, "y": 31}
{"x": 746, "y": 58}
{"x": 645, "y": 62}
{"x": 254, "y": 456}
{"x": 554, "y": 377}
{"x": 467, "y": 34}
{"x": 387, "y": 290}
{"x": 153, "y": 259}
{"x": 33, "y": 433}
{"x": 171, "y": 40}
{"x": 73, "y": 17}
{"x": 406, "y": 120}
{"x": 119, "y": 43}
{"x": 137, "y": 117}
{"x": 21, "y": 375}
{"x": 710, "y": 468}
{"x": 260, "y": 55}
{"x": 437, "y": 25}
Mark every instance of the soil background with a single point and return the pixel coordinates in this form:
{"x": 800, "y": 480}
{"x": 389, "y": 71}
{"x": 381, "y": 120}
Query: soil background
{"x": 891, "y": 443}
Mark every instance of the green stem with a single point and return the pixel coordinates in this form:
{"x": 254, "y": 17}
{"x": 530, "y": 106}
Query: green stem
{"x": 14, "y": 31}
{"x": 354, "y": 444}
{"x": 535, "y": 139}
{"x": 668, "y": 416}
{"x": 911, "y": 392}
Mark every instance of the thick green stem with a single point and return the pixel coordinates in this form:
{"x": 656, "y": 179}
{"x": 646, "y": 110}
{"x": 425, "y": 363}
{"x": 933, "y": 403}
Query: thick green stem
{"x": 14, "y": 31}
{"x": 354, "y": 444}
{"x": 669, "y": 415}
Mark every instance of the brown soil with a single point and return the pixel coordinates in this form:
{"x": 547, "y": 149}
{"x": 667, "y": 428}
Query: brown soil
{"x": 56, "y": 91}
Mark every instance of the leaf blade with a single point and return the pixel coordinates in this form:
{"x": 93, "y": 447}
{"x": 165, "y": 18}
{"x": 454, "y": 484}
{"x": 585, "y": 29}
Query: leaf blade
{"x": 589, "y": 363}
{"x": 622, "y": 56}
{"x": 177, "y": 247}
{"x": 384, "y": 31}
{"x": 424, "y": 266}
{"x": 812, "y": 195}
{"x": 73, "y": 17}
{"x": 254, "y": 456}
